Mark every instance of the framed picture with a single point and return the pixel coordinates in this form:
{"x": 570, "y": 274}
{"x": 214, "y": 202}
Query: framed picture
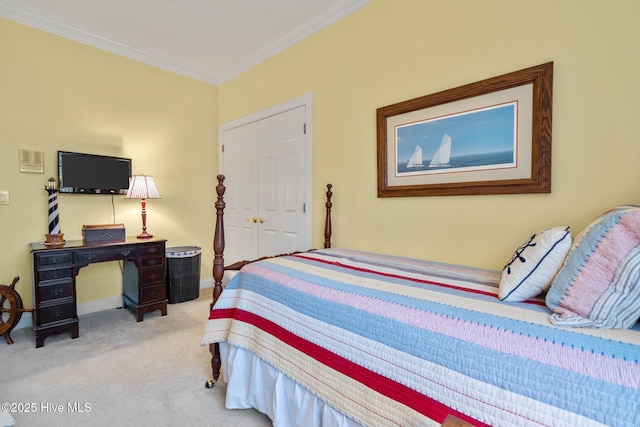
{"x": 489, "y": 137}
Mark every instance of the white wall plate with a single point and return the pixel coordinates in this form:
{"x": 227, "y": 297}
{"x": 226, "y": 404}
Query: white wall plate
{"x": 31, "y": 161}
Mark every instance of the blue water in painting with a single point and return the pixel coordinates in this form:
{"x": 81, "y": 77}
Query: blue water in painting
{"x": 465, "y": 161}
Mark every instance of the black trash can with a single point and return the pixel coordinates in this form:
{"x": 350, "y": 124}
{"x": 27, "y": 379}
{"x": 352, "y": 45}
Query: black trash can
{"x": 183, "y": 273}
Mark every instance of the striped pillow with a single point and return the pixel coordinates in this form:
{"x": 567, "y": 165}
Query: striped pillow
{"x": 619, "y": 305}
{"x": 601, "y": 267}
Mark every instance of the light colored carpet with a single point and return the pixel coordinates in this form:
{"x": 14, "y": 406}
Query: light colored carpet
{"x": 120, "y": 373}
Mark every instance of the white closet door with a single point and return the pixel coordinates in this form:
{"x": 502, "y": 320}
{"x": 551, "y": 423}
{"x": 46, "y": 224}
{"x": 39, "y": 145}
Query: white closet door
{"x": 240, "y": 167}
{"x": 266, "y": 158}
{"x": 282, "y": 183}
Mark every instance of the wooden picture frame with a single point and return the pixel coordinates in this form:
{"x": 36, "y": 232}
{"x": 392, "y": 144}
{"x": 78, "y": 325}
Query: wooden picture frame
{"x": 488, "y": 137}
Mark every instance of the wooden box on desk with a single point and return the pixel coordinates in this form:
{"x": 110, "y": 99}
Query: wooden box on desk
{"x": 103, "y": 233}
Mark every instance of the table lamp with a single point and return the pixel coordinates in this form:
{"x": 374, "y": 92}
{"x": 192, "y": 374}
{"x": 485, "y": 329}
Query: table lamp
{"x": 143, "y": 187}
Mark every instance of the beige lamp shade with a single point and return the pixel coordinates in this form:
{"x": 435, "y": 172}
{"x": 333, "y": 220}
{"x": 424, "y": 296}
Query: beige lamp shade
{"x": 142, "y": 187}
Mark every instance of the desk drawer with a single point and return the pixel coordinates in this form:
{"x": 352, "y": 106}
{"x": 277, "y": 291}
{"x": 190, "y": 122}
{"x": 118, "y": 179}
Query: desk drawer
{"x": 111, "y": 254}
{"x": 55, "y": 273}
{"x": 55, "y": 290}
{"x": 53, "y": 258}
{"x": 152, "y": 275}
{"x": 153, "y": 249}
{"x": 152, "y": 293}
{"x": 55, "y": 312}
{"x": 152, "y": 261}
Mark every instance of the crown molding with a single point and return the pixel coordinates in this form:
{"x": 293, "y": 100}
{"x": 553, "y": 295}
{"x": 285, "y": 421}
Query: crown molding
{"x": 43, "y": 23}
{"x": 49, "y": 25}
{"x": 297, "y": 34}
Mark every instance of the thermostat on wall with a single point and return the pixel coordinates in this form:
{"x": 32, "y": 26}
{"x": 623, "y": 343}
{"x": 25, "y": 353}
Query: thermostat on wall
{"x": 31, "y": 161}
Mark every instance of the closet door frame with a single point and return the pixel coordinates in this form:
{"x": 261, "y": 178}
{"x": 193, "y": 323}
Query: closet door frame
{"x": 307, "y": 102}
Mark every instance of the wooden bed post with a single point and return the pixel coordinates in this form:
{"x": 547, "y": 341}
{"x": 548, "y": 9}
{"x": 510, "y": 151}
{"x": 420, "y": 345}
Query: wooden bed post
{"x": 218, "y": 242}
{"x": 219, "y": 268}
{"x": 327, "y": 219}
{"x": 218, "y": 273}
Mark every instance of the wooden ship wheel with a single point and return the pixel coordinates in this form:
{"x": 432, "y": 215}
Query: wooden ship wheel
{"x": 11, "y": 309}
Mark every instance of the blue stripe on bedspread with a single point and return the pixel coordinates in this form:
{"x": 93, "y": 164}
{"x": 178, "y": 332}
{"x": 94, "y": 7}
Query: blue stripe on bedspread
{"x": 408, "y": 265}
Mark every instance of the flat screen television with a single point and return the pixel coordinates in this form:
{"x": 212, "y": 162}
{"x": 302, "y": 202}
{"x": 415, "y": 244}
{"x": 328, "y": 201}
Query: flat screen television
{"x": 93, "y": 174}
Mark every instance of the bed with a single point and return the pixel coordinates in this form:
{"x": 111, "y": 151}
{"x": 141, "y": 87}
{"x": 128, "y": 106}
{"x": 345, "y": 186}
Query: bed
{"x": 339, "y": 337}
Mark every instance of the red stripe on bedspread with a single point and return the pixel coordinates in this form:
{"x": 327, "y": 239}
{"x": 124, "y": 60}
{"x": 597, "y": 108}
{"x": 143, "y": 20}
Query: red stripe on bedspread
{"x": 411, "y": 279}
{"x": 383, "y": 385}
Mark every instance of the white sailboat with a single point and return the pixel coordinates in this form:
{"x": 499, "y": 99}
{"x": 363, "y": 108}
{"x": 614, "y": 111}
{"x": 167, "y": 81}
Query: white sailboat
{"x": 416, "y": 160}
{"x": 443, "y": 155}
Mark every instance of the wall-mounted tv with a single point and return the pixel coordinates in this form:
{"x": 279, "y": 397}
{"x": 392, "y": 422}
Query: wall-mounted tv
{"x": 93, "y": 174}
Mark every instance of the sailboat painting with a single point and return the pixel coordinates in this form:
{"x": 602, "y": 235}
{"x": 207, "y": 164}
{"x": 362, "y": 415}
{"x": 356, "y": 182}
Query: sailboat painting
{"x": 473, "y": 140}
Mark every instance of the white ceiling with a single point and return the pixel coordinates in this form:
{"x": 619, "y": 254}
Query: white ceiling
{"x": 209, "y": 40}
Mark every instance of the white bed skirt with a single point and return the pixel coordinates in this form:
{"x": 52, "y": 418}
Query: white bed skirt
{"x": 253, "y": 383}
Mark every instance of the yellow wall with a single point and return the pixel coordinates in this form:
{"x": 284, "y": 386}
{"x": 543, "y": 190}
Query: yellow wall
{"x": 393, "y": 50}
{"x": 56, "y": 94}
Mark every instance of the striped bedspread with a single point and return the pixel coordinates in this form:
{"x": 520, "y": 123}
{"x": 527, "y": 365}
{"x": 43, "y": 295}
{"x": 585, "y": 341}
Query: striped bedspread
{"x": 393, "y": 341}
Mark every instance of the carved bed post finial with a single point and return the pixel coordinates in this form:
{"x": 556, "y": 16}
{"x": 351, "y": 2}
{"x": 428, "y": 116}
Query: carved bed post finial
{"x": 327, "y": 220}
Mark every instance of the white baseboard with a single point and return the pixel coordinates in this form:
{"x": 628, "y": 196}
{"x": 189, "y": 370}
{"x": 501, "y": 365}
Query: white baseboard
{"x": 103, "y": 304}
{"x": 99, "y": 305}
{"x": 25, "y": 321}
{"x": 208, "y": 283}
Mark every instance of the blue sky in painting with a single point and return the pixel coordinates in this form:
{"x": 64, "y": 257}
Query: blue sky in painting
{"x": 486, "y": 130}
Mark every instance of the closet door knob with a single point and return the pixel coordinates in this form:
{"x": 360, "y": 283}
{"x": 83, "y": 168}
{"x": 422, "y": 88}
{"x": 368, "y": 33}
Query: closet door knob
{"x": 252, "y": 219}
{"x": 260, "y": 220}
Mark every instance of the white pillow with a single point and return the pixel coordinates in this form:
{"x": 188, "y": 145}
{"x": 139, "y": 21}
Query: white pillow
{"x": 535, "y": 264}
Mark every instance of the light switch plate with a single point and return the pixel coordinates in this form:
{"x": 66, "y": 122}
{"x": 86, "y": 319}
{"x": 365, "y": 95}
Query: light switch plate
{"x": 31, "y": 161}
{"x": 4, "y": 197}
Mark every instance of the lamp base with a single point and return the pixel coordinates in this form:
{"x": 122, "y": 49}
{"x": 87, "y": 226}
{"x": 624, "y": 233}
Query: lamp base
{"x": 144, "y": 235}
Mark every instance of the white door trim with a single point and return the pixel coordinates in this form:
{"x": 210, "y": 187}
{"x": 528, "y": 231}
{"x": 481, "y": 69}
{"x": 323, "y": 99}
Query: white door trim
{"x": 304, "y": 100}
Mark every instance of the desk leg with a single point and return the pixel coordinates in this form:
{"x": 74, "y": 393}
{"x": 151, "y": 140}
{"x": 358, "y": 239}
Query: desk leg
{"x": 141, "y": 309}
{"x": 148, "y": 308}
{"x": 43, "y": 333}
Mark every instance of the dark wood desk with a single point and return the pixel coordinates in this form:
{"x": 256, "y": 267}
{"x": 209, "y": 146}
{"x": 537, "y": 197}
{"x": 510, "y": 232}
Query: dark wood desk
{"x": 54, "y": 280}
